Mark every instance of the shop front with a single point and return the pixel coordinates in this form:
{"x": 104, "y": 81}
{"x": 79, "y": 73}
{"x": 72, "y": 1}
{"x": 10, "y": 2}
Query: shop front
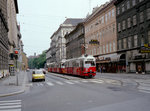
{"x": 111, "y": 63}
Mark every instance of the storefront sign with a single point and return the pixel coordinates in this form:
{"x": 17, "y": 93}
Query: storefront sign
{"x": 145, "y": 48}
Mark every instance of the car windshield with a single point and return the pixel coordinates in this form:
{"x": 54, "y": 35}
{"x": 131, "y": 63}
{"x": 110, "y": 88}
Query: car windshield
{"x": 37, "y": 72}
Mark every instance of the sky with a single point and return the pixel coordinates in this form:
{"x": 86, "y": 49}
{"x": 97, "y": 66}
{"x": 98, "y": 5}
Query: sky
{"x": 39, "y": 19}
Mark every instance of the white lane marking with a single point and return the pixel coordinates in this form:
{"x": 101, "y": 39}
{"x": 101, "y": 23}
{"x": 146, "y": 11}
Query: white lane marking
{"x": 4, "y": 104}
{"x": 10, "y": 101}
{"x": 144, "y": 88}
{"x": 84, "y": 81}
{"x": 11, "y": 110}
{"x": 76, "y": 81}
{"x": 6, "y": 107}
{"x": 97, "y": 81}
{"x": 50, "y": 84}
{"x": 144, "y": 91}
{"x": 69, "y": 82}
{"x": 60, "y": 83}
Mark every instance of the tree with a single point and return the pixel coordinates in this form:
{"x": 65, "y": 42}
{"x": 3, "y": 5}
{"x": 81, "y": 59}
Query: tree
{"x": 38, "y": 62}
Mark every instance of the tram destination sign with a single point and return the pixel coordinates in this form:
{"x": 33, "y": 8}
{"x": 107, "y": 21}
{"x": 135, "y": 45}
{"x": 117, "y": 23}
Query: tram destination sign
{"x": 145, "y": 48}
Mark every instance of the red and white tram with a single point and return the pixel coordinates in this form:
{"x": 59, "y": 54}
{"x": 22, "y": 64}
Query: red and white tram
{"x": 83, "y": 66}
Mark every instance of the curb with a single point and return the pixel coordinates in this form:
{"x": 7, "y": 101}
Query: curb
{"x": 16, "y": 92}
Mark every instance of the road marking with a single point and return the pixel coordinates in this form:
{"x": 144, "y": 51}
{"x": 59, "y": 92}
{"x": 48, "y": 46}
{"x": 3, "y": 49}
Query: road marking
{"x": 10, "y": 105}
{"x": 97, "y": 81}
{"x": 12, "y": 110}
{"x": 84, "y": 81}
{"x": 145, "y": 91}
{"x": 6, "y": 107}
{"x": 60, "y": 83}
{"x": 50, "y": 84}
{"x": 76, "y": 81}
{"x": 69, "y": 82}
{"x": 10, "y": 101}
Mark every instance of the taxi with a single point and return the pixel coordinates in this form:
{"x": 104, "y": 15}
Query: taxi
{"x": 38, "y": 75}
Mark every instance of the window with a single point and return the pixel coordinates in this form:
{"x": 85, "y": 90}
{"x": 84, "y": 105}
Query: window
{"x": 100, "y": 50}
{"x": 129, "y": 42}
{"x": 129, "y": 22}
{"x": 107, "y": 48}
{"x": 128, "y": 4}
{"x": 113, "y": 13}
{"x": 134, "y": 20}
{"x": 149, "y": 36}
{"x": 118, "y": 10}
{"x": 135, "y": 41}
{"x": 104, "y": 49}
{"x": 102, "y": 19}
{"x": 141, "y": 17}
{"x": 124, "y": 43}
{"x": 141, "y": 0}
{"x": 119, "y": 45}
{"x": 114, "y": 46}
{"x": 123, "y": 25}
{"x": 123, "y": 8}
{"x": 109, "y": 14}
{"x": 110, "y": 47}
{"x": 142, "y": 40}
{"x": 119, "y": 27}
{"x": 106, "y": 17}
{"x": 148, "y": 13}
{"x": 133, "y": 2}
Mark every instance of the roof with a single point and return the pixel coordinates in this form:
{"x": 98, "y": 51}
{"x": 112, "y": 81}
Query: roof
{"x": 73, "y": 21}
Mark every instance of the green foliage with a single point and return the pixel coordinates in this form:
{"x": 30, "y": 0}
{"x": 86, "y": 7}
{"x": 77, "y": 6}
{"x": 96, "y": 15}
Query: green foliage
{"x": 38, "y": 62}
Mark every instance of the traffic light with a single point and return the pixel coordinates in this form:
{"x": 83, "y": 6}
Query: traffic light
{"x": 16, "y": 52}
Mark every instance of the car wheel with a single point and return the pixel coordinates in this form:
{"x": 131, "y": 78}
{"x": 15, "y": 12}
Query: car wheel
{"x": 33, "y": 80}
{"x": 43, "y": 79}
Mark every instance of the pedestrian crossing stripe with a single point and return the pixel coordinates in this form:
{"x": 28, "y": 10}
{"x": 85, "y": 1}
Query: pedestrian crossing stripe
{"x": 10, "y": 105}
{"x": 60, "y": 83}
{"x": 50, "y": 84}
{"x": 69, "y": 82}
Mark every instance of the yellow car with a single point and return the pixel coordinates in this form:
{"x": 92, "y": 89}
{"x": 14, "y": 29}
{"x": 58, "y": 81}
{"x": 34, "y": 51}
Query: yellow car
{"x": 38, "y": 75}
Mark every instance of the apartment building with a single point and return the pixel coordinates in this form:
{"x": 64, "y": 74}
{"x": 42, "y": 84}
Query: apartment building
{"x": 133, "y": 34}
{"x": 4, "y": 50}
{"x": 75, "y": 42}
{"x": 101, "y": 26}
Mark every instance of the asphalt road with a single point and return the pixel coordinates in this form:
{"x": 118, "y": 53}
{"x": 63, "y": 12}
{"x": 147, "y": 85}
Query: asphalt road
{"x": 77, "y": 94}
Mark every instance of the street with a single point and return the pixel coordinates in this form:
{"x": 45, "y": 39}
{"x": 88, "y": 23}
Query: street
{"x": 70, "y": 93}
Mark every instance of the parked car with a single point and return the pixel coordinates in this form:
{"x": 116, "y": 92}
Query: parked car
{"x": 38, "y": 75}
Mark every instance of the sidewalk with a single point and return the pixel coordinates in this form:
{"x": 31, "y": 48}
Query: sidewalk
{"x": 124, "y": 75}
{"x": 9, "y": 87}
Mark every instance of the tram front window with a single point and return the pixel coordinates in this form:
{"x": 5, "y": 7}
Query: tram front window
{"x": 90, "y": 63}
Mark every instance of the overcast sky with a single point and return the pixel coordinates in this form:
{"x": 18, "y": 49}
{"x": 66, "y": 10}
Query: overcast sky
{"x": 39, "y": 19}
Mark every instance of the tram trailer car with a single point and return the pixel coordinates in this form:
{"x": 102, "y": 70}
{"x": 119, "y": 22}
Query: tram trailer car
{"x": 83, "y": 66}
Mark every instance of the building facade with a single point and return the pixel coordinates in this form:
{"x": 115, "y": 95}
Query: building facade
{"x": 4, "y": 50}
{"x": 75, "y": 42}
{"x": 12, "y": 9}
{"x": 101, "y": 26}
{"x": 57, "y": 50}
{"x": 133, "y": 32}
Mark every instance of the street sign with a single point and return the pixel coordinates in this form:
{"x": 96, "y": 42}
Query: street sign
{"x": 94, "y": 42}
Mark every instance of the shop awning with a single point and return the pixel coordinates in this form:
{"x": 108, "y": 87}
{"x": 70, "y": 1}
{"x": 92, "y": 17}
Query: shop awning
{"x": 111, "y": 58}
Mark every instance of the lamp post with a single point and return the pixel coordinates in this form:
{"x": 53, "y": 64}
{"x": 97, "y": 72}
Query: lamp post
{"x": 16, "y": 57}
